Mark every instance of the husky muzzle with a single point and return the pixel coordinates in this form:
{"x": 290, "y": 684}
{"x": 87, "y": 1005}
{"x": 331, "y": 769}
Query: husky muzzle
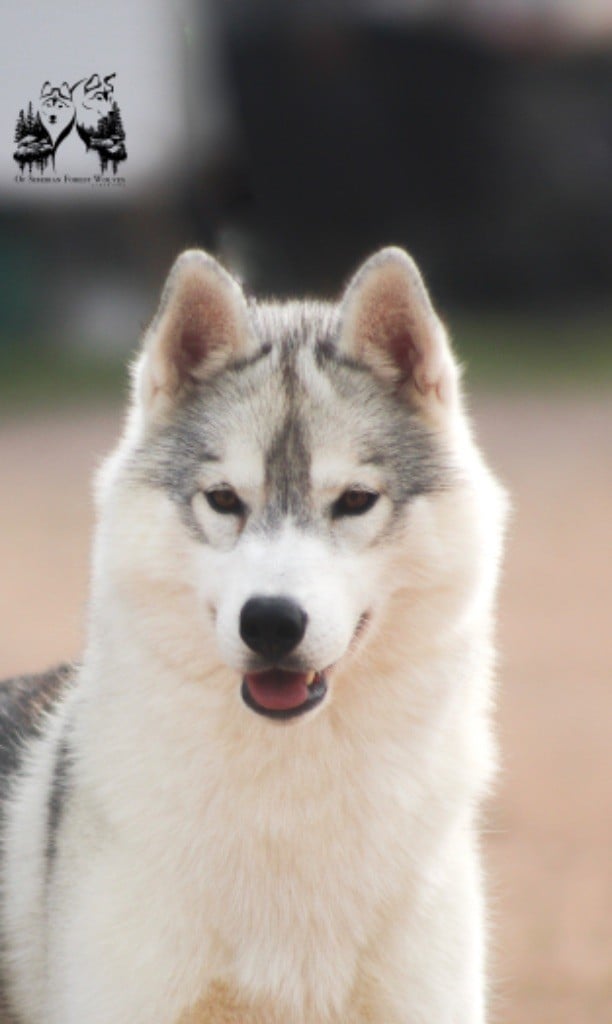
{"x": 273, "y": 627}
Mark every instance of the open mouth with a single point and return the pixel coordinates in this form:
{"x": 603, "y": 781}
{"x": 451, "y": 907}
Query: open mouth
{"x": 280, "y": 694}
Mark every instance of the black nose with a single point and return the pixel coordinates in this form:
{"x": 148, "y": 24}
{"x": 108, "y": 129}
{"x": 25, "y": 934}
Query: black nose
{"x": 272, "y": 626}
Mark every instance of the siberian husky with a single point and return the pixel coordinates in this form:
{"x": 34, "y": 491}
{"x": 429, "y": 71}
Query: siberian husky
{"x": 256, "y": 799}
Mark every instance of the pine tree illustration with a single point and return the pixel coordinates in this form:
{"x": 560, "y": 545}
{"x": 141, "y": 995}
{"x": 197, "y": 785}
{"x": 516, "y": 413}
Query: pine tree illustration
{"x": 30, "y": 119}
{"x": 21, "y": 126}
{"x": 102, "y": 129}
{"x": 39, "y": 129}
{"x": 117, "y": 122}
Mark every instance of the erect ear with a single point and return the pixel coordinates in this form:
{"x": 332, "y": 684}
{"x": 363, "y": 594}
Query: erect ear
{"x": 201, "y": 326}
{"x": 389, "y": 323}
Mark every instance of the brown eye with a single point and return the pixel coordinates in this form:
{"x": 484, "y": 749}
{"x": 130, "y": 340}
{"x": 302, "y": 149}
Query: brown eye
{"x": 225, "y": 501}
{"x": 354, "y": 502}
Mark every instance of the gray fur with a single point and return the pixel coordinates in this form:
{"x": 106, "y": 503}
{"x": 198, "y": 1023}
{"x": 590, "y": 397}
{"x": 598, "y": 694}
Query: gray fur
{"x": 287, "y": 469}
{"x": 60, "y": 787}
{"x": 388, "y": 433}
{"x": 276, "y": 406}
{"x": 25, "y": 704}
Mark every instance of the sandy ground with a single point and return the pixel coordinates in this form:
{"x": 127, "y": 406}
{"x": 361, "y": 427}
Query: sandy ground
{"x": 549, "y": 837}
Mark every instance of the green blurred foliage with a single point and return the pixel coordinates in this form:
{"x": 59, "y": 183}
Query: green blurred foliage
{"x": 499, "y": 352}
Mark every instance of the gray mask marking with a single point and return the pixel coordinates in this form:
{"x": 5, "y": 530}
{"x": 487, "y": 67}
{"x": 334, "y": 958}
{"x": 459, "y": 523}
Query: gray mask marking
{"x": 288, "y": 420}
{"x": 287, "y": 474}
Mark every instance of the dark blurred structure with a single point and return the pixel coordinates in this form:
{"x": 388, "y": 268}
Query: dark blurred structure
{"x": 494, "y": 166}
{"x": 489, "y": 157}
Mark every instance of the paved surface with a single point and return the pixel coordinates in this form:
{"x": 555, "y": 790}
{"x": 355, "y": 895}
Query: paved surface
{"x": 549, "y": 838}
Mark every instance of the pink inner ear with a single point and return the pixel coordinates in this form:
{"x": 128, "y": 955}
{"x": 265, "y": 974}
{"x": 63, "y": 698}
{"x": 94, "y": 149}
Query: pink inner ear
{"x": 403, "y": 351}
{"x": 191, "y": 348}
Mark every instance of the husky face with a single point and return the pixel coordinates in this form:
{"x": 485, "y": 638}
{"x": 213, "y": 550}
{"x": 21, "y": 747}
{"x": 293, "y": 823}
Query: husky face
{"x": 56, "y": 110}
{"x": 288, "y": 448}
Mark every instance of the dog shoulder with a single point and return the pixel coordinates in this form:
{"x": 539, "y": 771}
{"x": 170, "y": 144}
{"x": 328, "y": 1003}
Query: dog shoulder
{"x": 25, "y": 702}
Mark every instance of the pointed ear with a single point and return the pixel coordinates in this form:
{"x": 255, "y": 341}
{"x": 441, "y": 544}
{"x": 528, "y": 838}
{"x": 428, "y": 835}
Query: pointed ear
{"x": 389, "y": 323}
{"x": 200, "y": 327}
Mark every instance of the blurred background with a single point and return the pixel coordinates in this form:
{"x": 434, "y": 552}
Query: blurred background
{"x": 292, "y": 140}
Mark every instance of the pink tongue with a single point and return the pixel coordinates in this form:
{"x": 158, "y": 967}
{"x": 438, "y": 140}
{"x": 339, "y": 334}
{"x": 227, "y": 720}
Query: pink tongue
{"x": 277, "y": 690}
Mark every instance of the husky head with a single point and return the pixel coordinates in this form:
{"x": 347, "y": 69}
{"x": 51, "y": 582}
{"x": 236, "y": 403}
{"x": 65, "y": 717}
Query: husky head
{"x": 56, "y": 110}
{"x": 296, "y": 507}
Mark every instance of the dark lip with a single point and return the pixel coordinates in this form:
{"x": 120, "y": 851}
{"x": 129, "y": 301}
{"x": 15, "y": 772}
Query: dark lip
{"x": 317, "y": 693}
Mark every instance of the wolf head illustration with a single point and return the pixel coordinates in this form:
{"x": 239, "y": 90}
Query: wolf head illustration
{"x": 56, "y": 110}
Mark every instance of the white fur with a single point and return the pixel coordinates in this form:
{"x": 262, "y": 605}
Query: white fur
{"x": 325, "y": 869}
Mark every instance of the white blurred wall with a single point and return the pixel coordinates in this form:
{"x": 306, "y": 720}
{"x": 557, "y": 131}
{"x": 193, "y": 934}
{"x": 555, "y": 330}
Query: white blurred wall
{"x": 166, "y": 85}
